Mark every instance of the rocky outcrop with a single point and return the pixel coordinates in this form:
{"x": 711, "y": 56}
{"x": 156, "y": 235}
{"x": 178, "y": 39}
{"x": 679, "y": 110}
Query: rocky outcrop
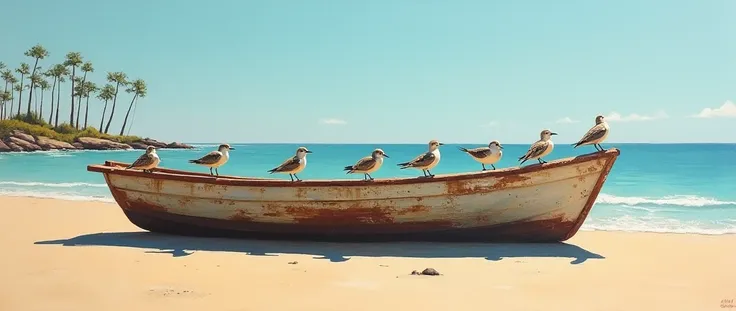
{"x": 51, "y": 144}
{"x": 4, "y": 147}
{"x": 138, "y": 145}
{"x": 24, "y": 145}
{"x": 176, "y": 145}
{"x": 101, "y": 144}
{"x": 20, "y": 135}
{"x": 18, "y": 141}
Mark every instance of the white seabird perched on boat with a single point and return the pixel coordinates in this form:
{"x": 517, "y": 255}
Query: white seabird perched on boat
{"x": 293, "y": 165}
{"x": 425, "y": 161}
{"x": 215, "y": 159}
{"x": 596, "y": 135}
{"x": 368, "y": 165}
{"x": 540, "y": 148}
{"x": 146, "y": 161}
{"x": 486, "y": 155}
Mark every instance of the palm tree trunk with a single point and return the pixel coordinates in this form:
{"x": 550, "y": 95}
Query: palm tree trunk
{"x": 20, "y": 93}
{"x": 4, "y": 108}
{"x": 86, "y": 111}
{"x": 102, "y": 120}
{"x": 58, "y": 103}
{"x": 51, "y": 115}
{"x": 122, "y": 129}
{"x": 10, "y": 112}
{"x": 35, "y": 99}
{"x": 79, "y": 99}
{"x": 71, "y": 114}
{"x": 112, "y": 112}
{"x": 40, "y": 107}
{"x": 30, "y": 91}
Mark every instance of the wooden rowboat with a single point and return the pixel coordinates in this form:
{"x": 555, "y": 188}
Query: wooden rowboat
{"x": 535, "y": 203}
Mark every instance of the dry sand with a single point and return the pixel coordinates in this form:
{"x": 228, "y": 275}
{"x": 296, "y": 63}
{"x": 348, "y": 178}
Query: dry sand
{"x": 65, "y": 255}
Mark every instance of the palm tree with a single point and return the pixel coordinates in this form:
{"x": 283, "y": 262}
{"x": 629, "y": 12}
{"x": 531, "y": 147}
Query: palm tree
{"x": 119, "y": 78}
{"x": 106, "y": 93}
{"x": 138, "y": 88}
{"x": 12, "y": 80}
{"x": 22, "y": 70}
{"x": 44, "y": 85}
{"x": 73, "y": 59}
{"x": 7, "y": 75}
{"x": 5, "y": 97}
{"x": 35, "y": 80}
{"x": 38, "y": 52}
{"x": 89, "y": 88}
{"x": 59, "y": 71}
{"x": 86, "y": 67}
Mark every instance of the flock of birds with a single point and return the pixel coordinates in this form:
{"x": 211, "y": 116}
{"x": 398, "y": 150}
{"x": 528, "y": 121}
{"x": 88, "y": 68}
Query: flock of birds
{"x": 367, "y": 165}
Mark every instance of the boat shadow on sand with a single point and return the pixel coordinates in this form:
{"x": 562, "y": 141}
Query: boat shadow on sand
{"x": 179, "y": 246}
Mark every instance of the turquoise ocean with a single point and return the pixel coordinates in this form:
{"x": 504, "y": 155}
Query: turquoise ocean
{"x": 681, "y": 188}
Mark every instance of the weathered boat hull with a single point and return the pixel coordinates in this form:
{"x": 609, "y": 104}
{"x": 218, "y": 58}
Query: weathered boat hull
{"x": 536, "y": 203}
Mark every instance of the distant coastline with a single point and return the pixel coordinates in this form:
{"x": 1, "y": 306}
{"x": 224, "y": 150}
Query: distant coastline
{"x": 19, "y": 136}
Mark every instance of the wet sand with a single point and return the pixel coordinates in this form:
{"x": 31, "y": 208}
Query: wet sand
{"x": 70, "y": 255}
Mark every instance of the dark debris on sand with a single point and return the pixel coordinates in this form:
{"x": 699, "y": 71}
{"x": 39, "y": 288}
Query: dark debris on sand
{"x": 428, "y": 271}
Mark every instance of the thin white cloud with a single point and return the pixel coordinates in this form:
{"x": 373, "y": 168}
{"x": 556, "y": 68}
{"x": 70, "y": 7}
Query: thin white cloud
{"x": 333, "y": 121}
{"x": 566, "y": 120}
{"x": 727, "y": 110}
{"x": 490, "y": 124}
{"x": 635, "y": 117}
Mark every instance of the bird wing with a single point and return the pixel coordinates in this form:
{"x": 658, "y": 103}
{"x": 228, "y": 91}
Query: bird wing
{"x": 143, "y": 160}
{"x": 210, "y": 158}
{"x": 288, "y": 165}
{"x": 536, "y": 149}
{"x": 422, "y": 160}
{"x": 480, "y": 152}
{"x": 365, "y": 164}
{"x": 594, "y": 133}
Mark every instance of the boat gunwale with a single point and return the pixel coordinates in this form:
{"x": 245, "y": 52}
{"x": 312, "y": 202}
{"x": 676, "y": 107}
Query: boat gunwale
{"x": 118, "y": 168}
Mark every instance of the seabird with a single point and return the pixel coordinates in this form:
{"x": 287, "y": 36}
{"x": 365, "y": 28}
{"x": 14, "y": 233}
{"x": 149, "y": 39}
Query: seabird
{"x": 425, "y": 161}
{"x": 596, "y": 135}
{"x": 293, "y": 165}
{"x": 540, "y": 148}
{"x": 486, "y": 155}
{"x": 146, "y": 161}
{"x": 368, "y": 164}
{"x": 215, "y": 159}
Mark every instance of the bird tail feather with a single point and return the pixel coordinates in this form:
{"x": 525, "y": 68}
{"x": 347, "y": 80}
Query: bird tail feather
{"x": 463, "y": 149}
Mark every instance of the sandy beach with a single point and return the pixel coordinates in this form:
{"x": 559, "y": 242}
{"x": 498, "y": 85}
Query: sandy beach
{"x": 74, "y": 255}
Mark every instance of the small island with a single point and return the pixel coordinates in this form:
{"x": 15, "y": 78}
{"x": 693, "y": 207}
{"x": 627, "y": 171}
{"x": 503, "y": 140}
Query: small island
{"x": 24, "y": 126}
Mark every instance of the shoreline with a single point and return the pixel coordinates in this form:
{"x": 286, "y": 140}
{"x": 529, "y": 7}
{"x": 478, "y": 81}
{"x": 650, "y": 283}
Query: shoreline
{"x": 63, "y": 251}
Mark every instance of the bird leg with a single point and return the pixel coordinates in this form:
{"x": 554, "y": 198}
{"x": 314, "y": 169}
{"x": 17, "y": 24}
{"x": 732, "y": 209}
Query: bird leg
{"x": 596, "y": 147}
{"x": 541, "y": 161}
{"x": 211, "y": 172}
{"x": 297, "y": 178}
{"x": 599, "y": 145}
{"x": 424, "y": 172}
{"x": 292, "y": 177}
{"x": 484, "y": 166}
{"x": 217, "y": 172}
{"x": 430, "y": 173}
{"x": 369, "y": 176}
{"x": 493, "y": 166}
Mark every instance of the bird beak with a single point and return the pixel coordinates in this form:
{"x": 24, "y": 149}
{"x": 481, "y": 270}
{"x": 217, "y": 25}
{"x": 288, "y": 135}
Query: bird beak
{"x": 553, "y": 133}
{"x": 386, "y": 156}
{"x": 499, "y": 146}
{"x": 309, "y": 151}
{"x": 231, "y": 148}
{"x": 441, "y": 144}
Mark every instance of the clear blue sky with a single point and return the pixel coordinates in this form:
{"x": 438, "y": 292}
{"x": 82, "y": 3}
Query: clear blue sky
{"x": 400, "y": 71}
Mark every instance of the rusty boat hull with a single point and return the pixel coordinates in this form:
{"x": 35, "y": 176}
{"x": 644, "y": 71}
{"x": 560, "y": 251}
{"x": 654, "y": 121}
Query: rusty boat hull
{"x": 535, "y": 203}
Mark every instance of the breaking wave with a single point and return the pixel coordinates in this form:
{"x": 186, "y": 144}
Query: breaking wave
{"x": 678, "y": 200}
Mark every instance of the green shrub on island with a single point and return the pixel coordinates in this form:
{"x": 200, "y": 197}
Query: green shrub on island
{"x": 33, "y": 125}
